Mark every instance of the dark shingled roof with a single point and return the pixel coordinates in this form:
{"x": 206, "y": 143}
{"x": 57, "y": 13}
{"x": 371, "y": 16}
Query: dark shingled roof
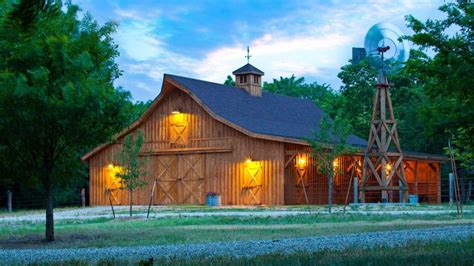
{"x": 269, "y": 114}
{"x": 248, "y": 69}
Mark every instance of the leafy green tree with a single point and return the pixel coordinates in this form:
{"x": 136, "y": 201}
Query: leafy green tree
{"x": 132, "y": 167}
{"x": 447, "y": 76}
{"x": 321, "y": 94}
{"x": 327, "y": 145}
{"x": 229, "y": 81}
{"x": 357, "y": 95}
{"x": 408, "y": 99}
{"x": 57, "y": 98}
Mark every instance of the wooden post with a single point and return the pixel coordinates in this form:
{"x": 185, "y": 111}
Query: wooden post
{"x": 416, "y": 177}
{"x": 83, "y": 197}
{"x": 356, "y": 189}
{"x": 451, "y": 188}
{"x": 110, "y": 201}
{"x": 151, "y": 198}
{"x": 400, "y": 191}
{"x": 353, "y": 176}
{"x": 9, "y": 201}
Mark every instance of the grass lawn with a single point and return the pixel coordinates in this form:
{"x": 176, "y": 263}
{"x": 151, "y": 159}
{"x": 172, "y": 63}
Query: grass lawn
{"x": 415, "y": 253}
{"x": 100, "y": 232}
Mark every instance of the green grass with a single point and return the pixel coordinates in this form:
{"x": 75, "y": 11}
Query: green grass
{"x": 138, "y": 231}
{"x": 414, "y": 253}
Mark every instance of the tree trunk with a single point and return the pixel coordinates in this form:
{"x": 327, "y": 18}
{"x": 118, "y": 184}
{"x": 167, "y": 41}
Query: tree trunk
{"x": 131, "y": 202}
{"x": 330, "y": 188}
{"x": 49, "y": 208}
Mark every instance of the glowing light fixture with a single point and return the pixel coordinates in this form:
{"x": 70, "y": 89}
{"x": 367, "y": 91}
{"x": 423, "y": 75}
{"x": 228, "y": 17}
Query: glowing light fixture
{"x": 175, "y": 112}
{"x": 388, "y": 168}
{"x": 111, "y": 165}
{"x": 248, "y": 160}
{"x": 301, "y": 162}
{"x": 335, "y": 163}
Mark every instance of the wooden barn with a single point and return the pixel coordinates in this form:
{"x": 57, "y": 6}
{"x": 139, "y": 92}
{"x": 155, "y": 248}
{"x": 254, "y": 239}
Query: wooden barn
{"x": 240, "y": 142}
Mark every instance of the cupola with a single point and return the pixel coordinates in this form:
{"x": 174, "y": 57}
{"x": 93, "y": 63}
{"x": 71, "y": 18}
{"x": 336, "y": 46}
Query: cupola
{"x": 249, "y": 78}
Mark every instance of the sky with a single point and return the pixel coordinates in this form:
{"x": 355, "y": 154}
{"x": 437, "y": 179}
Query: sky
{"x": 208, "y": 39}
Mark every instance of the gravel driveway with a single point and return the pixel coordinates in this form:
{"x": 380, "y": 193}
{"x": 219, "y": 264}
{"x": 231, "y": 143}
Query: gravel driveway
{"x": 168, "y": 212}
{"x": 241, "y": 248}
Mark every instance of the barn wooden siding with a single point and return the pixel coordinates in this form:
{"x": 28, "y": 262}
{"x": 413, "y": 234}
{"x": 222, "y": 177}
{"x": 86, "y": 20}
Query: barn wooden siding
{"x": 423, "y": 177}
{"x": 218, "y": 152}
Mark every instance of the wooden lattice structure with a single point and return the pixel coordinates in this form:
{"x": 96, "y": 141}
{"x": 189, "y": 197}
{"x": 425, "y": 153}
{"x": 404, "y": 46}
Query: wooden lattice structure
{"x": 383, "y": 166}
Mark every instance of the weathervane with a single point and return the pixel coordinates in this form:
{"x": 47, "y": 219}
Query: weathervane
{"x": 248, "y": 55}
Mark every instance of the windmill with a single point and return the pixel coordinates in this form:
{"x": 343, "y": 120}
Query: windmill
{"x": 383, "y": 158}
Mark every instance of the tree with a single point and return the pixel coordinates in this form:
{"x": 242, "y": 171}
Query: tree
{"x": 131, "y": 166}
{"x": 321, "y": 94}
{"x": 57, "y": 98}
{"x": 447, "y": 76}
{"x": 327, "y": 145}
{"x": 229, "y": 81}
{"x": 357, "y": 95}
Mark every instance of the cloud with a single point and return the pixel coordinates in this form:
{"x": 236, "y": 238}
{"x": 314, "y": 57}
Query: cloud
{"x": 313, "y": 40}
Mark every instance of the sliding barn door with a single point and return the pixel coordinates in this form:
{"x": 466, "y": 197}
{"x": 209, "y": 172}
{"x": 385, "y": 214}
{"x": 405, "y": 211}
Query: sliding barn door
{"x": 191, "y": 179}
{"x": 180, "y": 179}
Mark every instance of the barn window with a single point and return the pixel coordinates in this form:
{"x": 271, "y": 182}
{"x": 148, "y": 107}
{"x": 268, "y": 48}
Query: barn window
{"x": 256, "y": 79}
{"x": 179, "y": 128}
{"x": 243, "y": 79}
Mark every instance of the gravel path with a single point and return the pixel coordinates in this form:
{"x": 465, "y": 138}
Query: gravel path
{"x": 166, "y": 212}
{"x": 248, "y": 248}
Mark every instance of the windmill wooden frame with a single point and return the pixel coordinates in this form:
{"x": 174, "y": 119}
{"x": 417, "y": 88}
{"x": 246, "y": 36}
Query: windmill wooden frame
{"x": 379, "y": 161}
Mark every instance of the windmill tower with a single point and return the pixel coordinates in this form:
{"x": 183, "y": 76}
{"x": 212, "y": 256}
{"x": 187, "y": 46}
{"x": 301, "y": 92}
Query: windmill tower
{"x": 383, "y": 168}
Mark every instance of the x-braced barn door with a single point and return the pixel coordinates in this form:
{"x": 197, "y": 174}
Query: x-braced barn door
{"x": 297, "y": 181}
{"x": 191, "y": 179}
{"x": 252, "y": 189}
{"x": 113, "y": 187}
{"x": 166, "y": 180}
{"x": 180, "y": 179}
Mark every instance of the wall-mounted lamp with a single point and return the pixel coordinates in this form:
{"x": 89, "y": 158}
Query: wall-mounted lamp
{"x": 301, "y": 162}
{"x": 388, "y": 168}
{"x": 175, "y": 112}
{"x": 248, "y": 159}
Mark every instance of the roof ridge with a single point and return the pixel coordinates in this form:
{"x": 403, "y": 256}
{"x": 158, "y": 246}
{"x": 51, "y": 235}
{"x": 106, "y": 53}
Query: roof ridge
{"x": 232, "y": 87}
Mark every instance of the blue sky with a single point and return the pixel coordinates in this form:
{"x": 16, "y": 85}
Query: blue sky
{"x": 207, "y": 39}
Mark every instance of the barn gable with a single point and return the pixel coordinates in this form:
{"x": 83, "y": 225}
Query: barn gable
{"x": 271, "y": 116}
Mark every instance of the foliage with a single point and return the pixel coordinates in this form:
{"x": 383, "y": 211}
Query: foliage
{"x": 329, "y": 143}
{"x": 321, "y": 94}
{"x": 447, "y": 76}
{"x": 131, "y": 165}
{"x": 57, "y": 98}
{"x": 408, "y": 99}
{"x": 229, "y": 81}
{"x": 357, "y": 95}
